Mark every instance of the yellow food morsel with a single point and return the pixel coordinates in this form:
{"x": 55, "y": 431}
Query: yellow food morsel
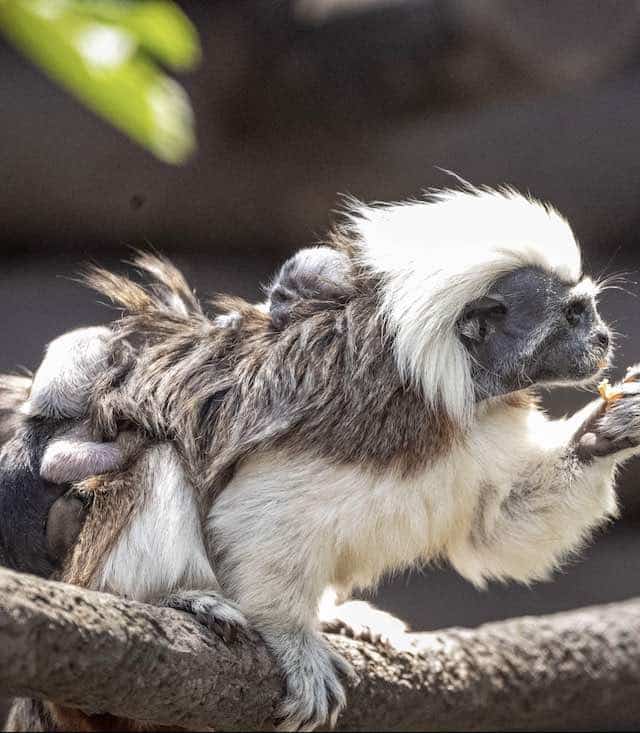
{"x": 609, "y": 393}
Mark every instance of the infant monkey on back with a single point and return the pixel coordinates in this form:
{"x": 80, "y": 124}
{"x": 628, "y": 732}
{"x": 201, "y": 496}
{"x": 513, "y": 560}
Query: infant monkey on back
{"x": 52, "y": 444}
{"x": 49, "y": 446}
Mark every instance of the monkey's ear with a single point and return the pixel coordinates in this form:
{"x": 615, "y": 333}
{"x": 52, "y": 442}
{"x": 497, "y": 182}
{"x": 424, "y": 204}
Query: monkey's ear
{"x": 479, "y": 315}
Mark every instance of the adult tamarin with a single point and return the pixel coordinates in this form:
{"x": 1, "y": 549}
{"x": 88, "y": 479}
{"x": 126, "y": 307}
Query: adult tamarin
{"x": 389, "y": 427}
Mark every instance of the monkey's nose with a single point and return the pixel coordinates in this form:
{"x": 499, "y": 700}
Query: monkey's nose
{"x": 602, "y": 339}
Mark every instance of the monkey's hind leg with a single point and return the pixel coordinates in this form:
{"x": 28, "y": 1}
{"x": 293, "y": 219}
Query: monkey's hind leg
{"x": 211, "y": 609}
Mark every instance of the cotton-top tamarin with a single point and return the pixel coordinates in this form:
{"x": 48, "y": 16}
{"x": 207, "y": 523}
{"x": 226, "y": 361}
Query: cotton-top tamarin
{"x": 390, "y": 426}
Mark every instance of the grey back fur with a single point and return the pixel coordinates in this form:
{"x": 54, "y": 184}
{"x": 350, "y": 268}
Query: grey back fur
{"x": 327, "y": 382}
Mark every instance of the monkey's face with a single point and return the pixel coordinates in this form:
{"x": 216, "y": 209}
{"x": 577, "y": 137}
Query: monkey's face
{"x": 533, "y": 328}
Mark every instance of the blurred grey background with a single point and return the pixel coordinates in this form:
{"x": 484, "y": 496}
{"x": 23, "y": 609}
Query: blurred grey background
{"x": 298, "y": 102}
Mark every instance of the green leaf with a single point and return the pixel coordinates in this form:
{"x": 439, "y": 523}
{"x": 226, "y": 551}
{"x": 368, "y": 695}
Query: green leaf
{"x": 103, "y": 52}
{"x": 161, "y": 28}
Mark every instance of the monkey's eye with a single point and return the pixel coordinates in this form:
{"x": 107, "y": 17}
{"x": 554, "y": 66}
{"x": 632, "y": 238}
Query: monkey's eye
{"x": 574, "y": 312}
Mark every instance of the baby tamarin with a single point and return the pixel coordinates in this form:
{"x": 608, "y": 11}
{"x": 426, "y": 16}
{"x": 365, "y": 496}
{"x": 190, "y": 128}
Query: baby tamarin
{"x": 390, "y": 427}
{"x": 47, "y": 445}
{"x": 313, "y": 279}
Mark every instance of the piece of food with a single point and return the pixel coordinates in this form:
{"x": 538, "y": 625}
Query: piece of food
{"x": 611, "y": 393}
{"x": 608, "y": 392}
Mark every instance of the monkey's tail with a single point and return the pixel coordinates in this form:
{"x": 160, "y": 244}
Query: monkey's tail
{"x": 14, "y": 391}
{"x": 168, "y": 294}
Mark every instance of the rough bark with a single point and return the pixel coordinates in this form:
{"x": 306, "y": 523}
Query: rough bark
{"x": 105, "y": 654}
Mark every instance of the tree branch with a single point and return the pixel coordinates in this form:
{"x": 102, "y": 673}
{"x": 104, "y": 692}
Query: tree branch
{"x": 105, "y": 654}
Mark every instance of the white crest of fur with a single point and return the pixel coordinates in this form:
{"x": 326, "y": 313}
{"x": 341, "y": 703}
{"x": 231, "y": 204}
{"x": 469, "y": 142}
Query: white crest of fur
{"x": 437, "y": 255}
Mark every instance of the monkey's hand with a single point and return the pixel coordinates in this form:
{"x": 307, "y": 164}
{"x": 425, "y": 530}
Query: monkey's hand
{"x": 361, "y": 621}
{"x": 313, "y": 673}
{"x": 211, "y": 609}
{"x": 614, "y": 425}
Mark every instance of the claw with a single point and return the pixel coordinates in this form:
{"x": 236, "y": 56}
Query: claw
{"x": 315, "y": 695}
{"x": 360, "y": 621}
{"x": 210, "y": 609}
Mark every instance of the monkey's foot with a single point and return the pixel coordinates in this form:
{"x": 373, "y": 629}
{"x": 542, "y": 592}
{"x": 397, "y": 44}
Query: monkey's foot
{"x": 314, "y": 692}
{"x": 361, "y": 621}
{"x": 211, "y": 609}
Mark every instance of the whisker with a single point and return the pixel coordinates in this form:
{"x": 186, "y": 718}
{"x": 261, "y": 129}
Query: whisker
{"x": 611, "y": 259}
{"x": 616, "y": 281}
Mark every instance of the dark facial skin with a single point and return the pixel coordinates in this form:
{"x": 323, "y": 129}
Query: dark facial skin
{"x": 532, "y": 328}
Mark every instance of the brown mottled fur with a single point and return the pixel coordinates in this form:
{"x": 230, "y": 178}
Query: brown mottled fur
{"x": 30, "y": 715}
{"x": 524, "y": 399}
{"x": 114, "y": 498}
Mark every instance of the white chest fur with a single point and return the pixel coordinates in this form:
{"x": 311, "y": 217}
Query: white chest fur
{"x": 162, "y": 549}
{"x": 352, "y": 524}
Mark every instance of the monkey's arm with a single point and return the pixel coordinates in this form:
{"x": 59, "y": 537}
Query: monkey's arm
{"x": 556, "y": 491}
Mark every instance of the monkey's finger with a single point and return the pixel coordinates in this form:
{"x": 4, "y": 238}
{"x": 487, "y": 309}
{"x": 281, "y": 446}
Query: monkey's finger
{"x": 230, "y": 632}
{"x": 333, "y": 626}
{"x": 633, "y": 373}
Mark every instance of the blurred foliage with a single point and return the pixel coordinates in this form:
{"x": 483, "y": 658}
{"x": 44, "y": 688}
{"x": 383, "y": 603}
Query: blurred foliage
{"x": 108, "y": 54}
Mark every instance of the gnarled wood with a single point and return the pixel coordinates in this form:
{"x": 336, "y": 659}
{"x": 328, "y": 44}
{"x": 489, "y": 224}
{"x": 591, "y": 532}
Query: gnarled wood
{"x": 105, "y": 654}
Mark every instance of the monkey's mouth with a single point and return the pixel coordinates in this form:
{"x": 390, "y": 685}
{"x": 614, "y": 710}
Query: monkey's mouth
{"x": 594, "y": 366}
{"x": 584, "y": 369}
